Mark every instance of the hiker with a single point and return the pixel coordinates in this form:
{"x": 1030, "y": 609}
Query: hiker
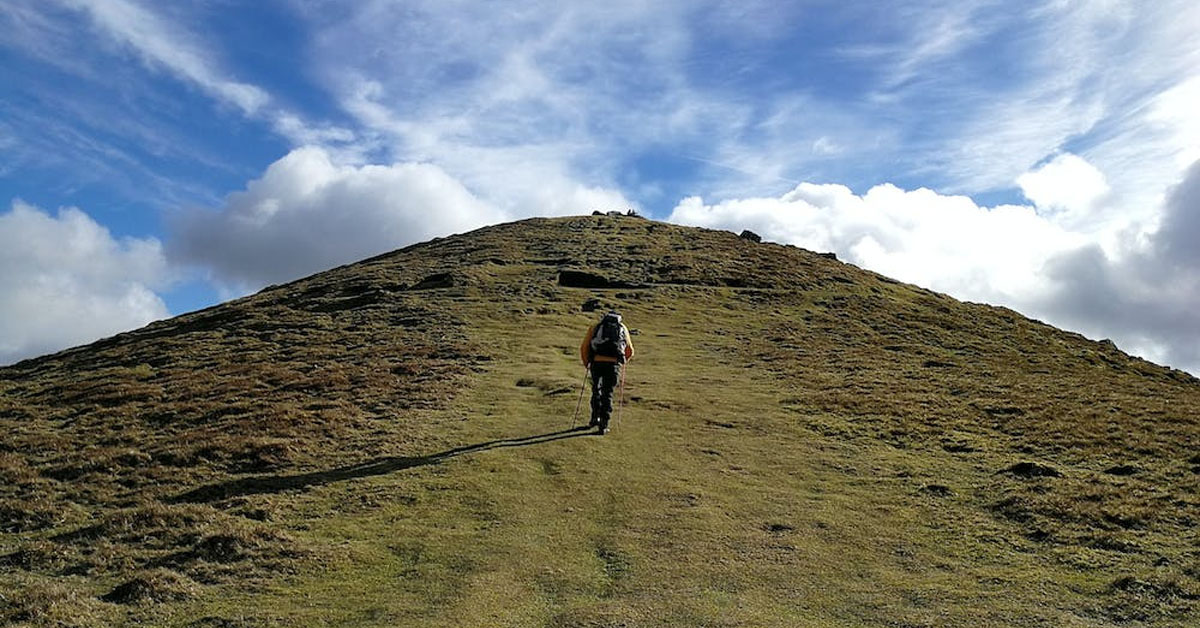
{"x": 605, "y": 347}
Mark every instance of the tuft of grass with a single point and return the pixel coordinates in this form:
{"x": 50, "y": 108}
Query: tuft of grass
{"x": 152, "y": 586}
{"x": 42, "y": 603}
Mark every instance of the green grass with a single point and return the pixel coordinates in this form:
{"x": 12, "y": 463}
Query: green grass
{"x": 801, "y": 444}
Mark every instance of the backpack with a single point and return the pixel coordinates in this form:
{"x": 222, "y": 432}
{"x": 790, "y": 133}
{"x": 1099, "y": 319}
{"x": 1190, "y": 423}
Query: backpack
{"x": 608, "y": 340}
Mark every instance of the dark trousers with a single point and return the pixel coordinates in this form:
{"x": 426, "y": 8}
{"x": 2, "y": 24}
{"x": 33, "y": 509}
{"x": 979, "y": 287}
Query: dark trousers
{"x": 605, "y": 376}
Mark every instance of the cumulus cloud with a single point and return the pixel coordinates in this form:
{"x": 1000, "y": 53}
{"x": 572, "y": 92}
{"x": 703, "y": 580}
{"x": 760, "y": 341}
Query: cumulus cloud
{"x": 1067, "y": 186}
{"x": 946, "y": 243}
{"x": 1180, "y": 231}
{"x": 1148, "y": 297}
{"x": 1144, "y": 293}
{"x": 65, "y": 280}
{"x": 529, "y": 182}
{"x": 308, "y": 213}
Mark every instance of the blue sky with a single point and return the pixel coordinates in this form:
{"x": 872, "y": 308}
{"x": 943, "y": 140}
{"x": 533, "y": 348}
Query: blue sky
{"x": 159, "y": 157}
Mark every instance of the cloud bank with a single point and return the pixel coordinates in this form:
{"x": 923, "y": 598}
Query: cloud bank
{"x": 1147, "y": 296}
{"x": 1143, "y": 292}
{"x": 307, "y": 214}
{"x": 65, "y": 280}
{"x": 946, "y": 243}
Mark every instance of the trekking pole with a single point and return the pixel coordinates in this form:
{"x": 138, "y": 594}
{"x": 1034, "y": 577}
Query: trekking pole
{"x": 579, "y": 404}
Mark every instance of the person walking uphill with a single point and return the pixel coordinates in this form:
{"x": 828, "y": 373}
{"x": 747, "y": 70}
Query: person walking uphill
{"x": 605, "y": 348}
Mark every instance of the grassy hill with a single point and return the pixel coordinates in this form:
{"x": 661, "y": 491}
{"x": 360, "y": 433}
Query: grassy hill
{"x": 802, "y": 443}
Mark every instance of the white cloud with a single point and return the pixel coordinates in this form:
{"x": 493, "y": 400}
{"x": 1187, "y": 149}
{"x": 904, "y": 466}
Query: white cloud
{"x": 1028, "y": 81}
{"x": 303, "y": 133}
{"x": 308, "y": 213}
{"x": 534, "y": 109}
{"x": 552, "y": 107}
{"x": 1067, "y": 187}
{"x": 530, "y": 181}
{"x": 1173, "y": 112}
{"x": 1144, "y": 296}
{"x": 937, "y": 34}
{"x": 1148, "y": 298}
{"x": 972, "y": 94}
{"x": 64, "y": 280}
{"x": 160, "y": 44}
{"x": 946, "y": 243}
{"x": 523, "y": 175}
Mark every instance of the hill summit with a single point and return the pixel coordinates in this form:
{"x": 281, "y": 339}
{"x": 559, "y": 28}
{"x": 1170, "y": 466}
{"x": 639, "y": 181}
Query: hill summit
{"x": 800, "y": 442}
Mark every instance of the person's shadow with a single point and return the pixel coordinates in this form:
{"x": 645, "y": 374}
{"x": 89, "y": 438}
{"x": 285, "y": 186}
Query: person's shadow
{"x": 381, "y": 466}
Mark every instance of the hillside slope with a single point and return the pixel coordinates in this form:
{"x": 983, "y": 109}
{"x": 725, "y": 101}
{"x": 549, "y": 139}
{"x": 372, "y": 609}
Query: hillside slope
{"x": 802, "y": 443}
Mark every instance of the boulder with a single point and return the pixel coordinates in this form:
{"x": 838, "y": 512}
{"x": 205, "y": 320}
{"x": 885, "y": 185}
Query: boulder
{"x": 432, "y": 282}
{"x": 580, "y": 279}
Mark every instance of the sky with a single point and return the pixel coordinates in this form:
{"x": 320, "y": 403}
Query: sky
{"x": 160, "y": 157}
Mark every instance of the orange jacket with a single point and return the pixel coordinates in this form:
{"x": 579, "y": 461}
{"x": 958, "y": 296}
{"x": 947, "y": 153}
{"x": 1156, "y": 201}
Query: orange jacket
{"x": 585, "y": 348}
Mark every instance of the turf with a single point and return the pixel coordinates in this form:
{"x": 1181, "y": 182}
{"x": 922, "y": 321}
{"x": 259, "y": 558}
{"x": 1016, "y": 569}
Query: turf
{"x": 801, "y": 443}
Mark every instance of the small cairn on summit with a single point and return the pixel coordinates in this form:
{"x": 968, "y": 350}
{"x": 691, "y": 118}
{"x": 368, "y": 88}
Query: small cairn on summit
{"x": 631, "y": 213}
{"x": 750, "y": 235}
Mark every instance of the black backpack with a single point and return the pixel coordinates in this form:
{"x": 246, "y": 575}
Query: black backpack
{"x": 608, "y": 340}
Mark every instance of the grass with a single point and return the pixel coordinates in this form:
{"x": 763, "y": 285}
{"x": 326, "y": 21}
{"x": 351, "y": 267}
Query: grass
{"x": 802, "y": 443}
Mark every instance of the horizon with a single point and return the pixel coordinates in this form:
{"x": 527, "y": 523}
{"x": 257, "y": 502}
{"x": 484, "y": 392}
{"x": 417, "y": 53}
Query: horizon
{"x": 1038, "y": 156}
